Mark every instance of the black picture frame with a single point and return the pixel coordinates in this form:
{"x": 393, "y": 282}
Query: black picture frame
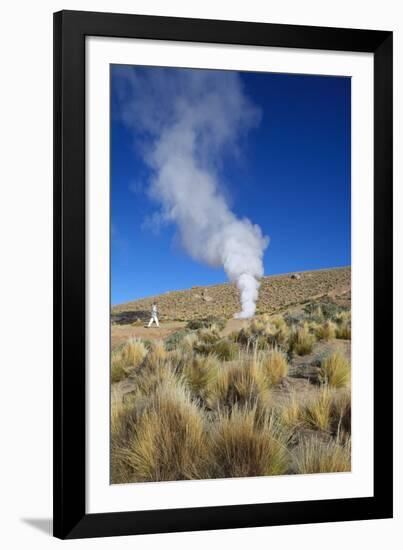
{"x": 70, "y": 517}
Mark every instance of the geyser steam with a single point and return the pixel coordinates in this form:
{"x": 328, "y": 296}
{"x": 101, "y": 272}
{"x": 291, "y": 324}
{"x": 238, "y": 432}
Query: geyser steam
{"x": 187, "y": 121}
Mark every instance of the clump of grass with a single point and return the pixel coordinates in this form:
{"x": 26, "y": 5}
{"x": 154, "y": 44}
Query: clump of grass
{"x": 326, "y": 331}
{"x": 188, "y": 342}
{"x": 209, "y": 342}
{"x": 157, "y": 354}
{"x": 343, "y": 331}
{"x": 200, "y": 373}
{"x": 241, "y": 383}
{"x": 175, "y": 339}
{"x": 343, "y": 317}
{"x": 124, "y": 414}
{"x": 242, "y": 447}
{"x": 314, "y": 456}
{"x": 264, "y": 332}
{"x": 314, "y": 312}
{"x": 301, "y": 340}
{"x": 317, "y": 409}
{"x": 341, "y": 413}
{"x": 277, "y": 331}
{"x": 209, "y": 335}
{"x": 178, "y": 358}
{"x": 126, "y": 359}
{"x": 275, "y": 365}
{"x": 291, "y": 412}
{"x": 170, "y": 440}
{"x": 335, "y": 371}
{"x": 225, "y": 350}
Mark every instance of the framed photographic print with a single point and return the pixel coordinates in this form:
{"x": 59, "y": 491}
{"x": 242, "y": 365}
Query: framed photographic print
{"x": 223, "y": 274}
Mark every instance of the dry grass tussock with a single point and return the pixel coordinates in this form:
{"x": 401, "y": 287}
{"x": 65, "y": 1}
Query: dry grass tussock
{"x": 240, "y": 446}
{"x": 265, "y": 332}
{"x": 301, "y": 340}
{"x": 169, "y": 440}
{"x": 242, "y": 383}
{"x": 209, "y": 342}
{"x": 343, "y": 331}
{"x": 316, "y": 411}
{"x": 275, "y": 366}
{"x": 326, "y": 331}
{"x": 157, "y": 354}
{"x": 314, "y": 456}
{"x": 335, "y": 371}
{"x": 200, "y": 373}
{"x": 126, "y": 359}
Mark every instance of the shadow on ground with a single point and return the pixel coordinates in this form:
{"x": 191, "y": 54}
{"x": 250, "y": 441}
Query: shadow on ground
{"x": 129, "y": 317}
{"x": 41, "y": 524}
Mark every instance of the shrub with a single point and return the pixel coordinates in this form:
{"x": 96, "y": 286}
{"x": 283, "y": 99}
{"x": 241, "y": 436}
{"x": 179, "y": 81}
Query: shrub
{"x": 275, "y": 365}
{"x": 335, "y": 371}
{"x": 314, "y": 456}
{"x": 319, "y": 311}
{"x": 126, "y": 359}
{"x": 241, "y": 447}
{"x": 313, "y": 311}
{"x": 326, "y": 331}
{"x": 170, "y": 441}
{"x": 301, "y": 340}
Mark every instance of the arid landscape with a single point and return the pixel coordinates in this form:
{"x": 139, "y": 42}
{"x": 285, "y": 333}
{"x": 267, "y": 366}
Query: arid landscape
{"x": 209, "y": 396}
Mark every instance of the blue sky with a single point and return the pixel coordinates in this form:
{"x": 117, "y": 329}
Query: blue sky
{"x": 290, "y": 174}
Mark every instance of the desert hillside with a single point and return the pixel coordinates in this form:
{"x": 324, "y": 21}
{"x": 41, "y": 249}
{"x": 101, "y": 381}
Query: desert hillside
{"x": 276, "y": 293}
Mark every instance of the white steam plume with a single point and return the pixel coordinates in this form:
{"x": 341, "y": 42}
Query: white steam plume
{"x": 187, "y": 120}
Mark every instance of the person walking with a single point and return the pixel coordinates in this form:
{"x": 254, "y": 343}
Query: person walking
{"x": 154, "y": 316}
